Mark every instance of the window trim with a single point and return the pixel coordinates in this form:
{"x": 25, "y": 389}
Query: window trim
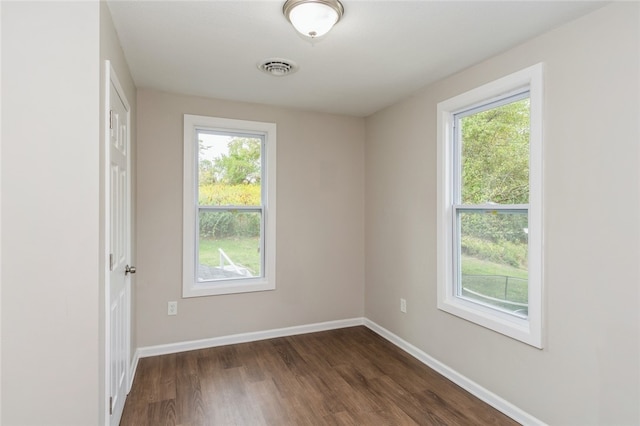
{"x": 190, "y": 285}
{"x": 529, "y": 330}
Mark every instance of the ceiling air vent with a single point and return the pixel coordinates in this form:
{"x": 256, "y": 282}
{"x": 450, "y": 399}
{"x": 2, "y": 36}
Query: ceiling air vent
{"x": 278, "y": 67}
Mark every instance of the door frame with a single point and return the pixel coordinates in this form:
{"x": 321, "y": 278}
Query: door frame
{"x": 112, "y": 78}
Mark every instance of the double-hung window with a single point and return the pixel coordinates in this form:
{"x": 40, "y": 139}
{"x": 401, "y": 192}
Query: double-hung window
{"x": 490, "y": 205}
{"x": 229, "y": 206}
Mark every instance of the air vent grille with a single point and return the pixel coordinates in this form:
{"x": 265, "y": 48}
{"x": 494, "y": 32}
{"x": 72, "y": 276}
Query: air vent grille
{"x": 278, "y": 67}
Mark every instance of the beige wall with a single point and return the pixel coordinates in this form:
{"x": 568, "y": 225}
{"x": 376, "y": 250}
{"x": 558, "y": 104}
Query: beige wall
{"x": 589, "y": 370}
{"x": 320, "y": 229}
{"x": 111, "y": 50}
{"x": 50, "y": 213}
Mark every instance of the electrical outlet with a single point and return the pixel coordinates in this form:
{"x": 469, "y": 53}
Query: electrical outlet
{"x": 172, "y": 308}
{"x": 403, "y": 305}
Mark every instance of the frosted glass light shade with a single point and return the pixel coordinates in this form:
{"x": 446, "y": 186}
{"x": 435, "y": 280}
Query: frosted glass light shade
{"x": 313, "y": 18}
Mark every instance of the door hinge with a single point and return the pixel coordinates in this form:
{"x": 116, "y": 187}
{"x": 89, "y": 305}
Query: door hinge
{"x": 110, "y": 405}
{"x": 111, "y": 261}
{"x": 111, "y": 119}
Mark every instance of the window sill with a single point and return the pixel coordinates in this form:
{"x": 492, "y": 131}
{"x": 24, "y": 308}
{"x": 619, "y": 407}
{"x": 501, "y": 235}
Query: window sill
{"x": 212, "y": 288}
{"x": 504, "y": 323}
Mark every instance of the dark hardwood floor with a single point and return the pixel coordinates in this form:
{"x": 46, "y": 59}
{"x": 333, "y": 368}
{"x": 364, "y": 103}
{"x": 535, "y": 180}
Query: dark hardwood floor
{"x": 348, "y": 376}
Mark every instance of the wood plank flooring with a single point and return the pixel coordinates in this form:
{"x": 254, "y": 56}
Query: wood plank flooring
{"x": 348, "y": 376}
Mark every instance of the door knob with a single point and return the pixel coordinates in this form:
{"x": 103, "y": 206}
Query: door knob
{"x": 129, "y": 270}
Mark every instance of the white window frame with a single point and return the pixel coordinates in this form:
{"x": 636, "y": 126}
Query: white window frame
{"x": 528, "y": 330}
{"x": 191, "y": 287}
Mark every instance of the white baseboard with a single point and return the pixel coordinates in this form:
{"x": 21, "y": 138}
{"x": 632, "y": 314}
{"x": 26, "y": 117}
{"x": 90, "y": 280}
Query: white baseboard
{"x": 464, "y": 382}
{"x": 172, "y": 348}
{"x": 472, "y": 387}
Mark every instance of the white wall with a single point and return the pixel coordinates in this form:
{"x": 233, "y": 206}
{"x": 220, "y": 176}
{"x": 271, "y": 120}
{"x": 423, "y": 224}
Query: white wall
{"x": 320, "y": 229}
{"x": 589, "y": 370}
{"x": 50, "y": 213}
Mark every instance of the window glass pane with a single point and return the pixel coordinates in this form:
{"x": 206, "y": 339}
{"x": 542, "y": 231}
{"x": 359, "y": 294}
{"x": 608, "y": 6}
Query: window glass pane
{"x": 229, "y": 170}
{"x": 229, "y": 245}
{"x": 495, "y": 155}
{"x": 493, "y": 259}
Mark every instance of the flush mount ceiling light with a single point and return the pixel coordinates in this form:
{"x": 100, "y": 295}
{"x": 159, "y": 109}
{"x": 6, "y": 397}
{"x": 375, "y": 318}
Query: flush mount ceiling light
{"x": 313, "y": 18}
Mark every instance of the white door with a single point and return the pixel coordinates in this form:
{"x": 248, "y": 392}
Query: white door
{"x": 119, "y": 276}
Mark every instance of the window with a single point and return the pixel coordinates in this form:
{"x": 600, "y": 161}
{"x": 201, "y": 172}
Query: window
{"x": 229, "y": 206}
{"x": 490, "y": 205}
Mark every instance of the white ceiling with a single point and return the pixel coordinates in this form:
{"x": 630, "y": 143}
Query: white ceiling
{"x": 379, "y": 53}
